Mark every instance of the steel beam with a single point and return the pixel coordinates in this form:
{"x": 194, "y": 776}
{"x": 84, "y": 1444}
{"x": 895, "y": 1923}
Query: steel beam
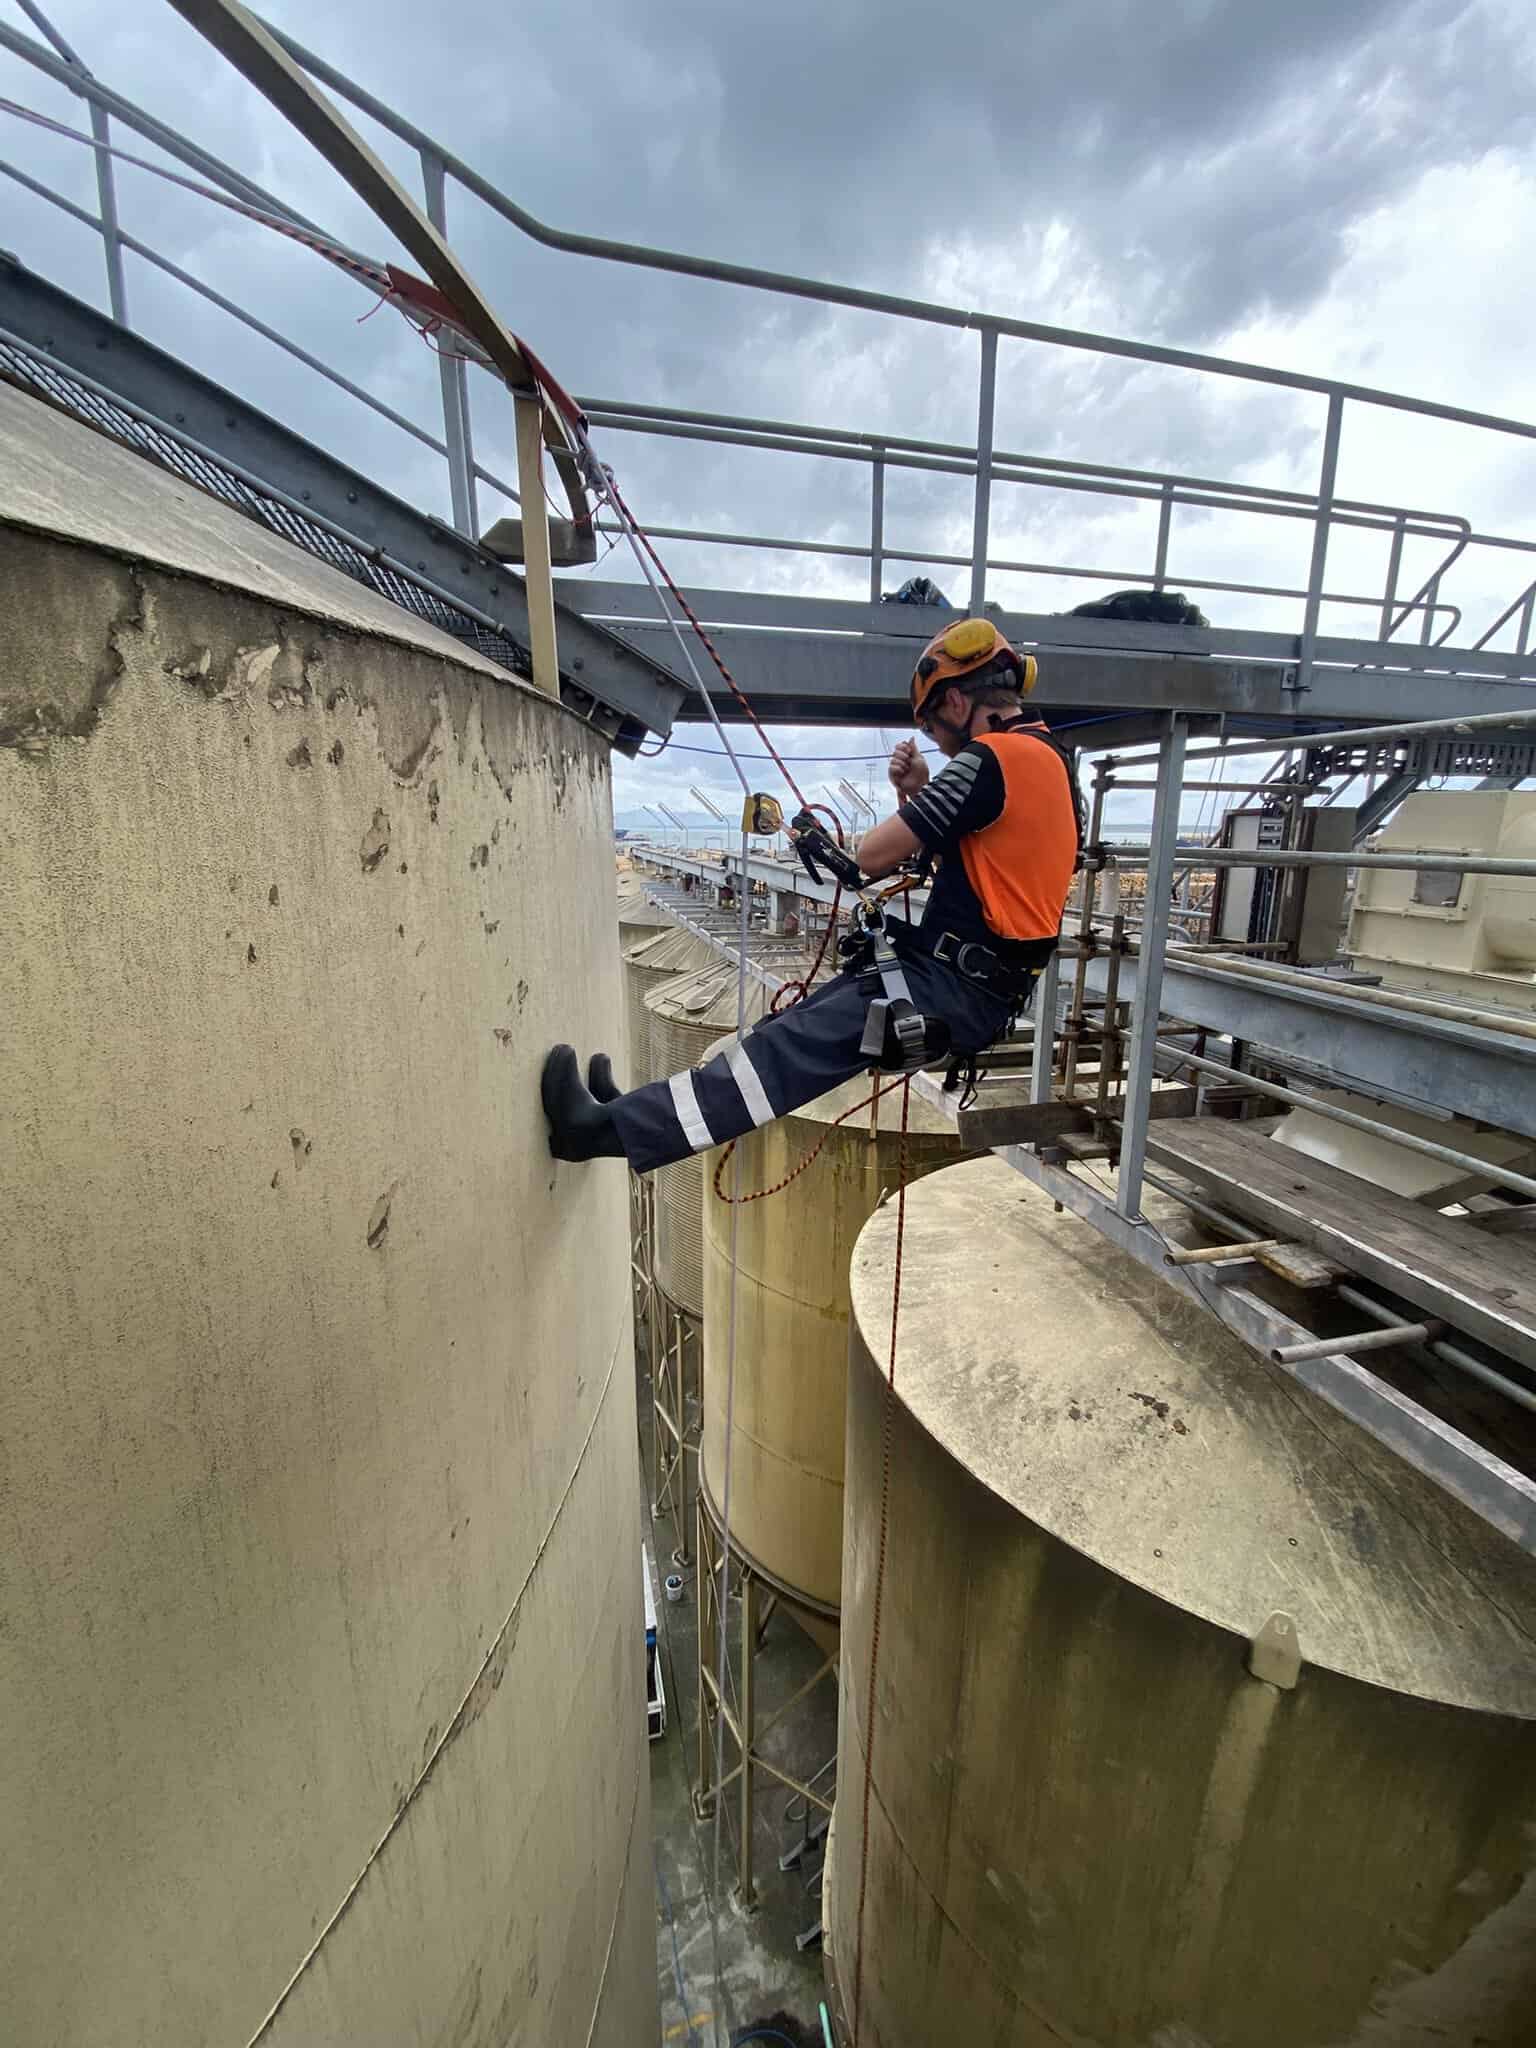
{"x": 636, "y": 684}
{"x": 835, "y": 677}
{"x": 1049, "y": 631}
{"x": 1489, "y": 1076}
{"x": 1385, "y": 798}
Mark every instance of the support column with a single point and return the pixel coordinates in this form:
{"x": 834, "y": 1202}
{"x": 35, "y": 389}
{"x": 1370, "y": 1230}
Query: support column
{"x": 1149, "y": 983}
{"x": 985, "y": 416}
{"x": 745, "y": 1888}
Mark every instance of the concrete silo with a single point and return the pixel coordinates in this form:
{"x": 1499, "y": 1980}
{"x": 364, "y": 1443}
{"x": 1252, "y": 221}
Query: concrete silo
{"x": 320, "y": 1573}
{"x": 792, "y": 1252}
{"x": 1199, "y": 1718}
{"x": 664, "y": 1344}
{"x": 639, "y": 919}
{"x": 652, "y": 959}
{"x": 685, "y": 1014}
{"x": 776, "y": 1297}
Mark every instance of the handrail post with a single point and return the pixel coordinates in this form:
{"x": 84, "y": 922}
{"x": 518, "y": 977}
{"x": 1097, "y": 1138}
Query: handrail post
{"x": 1164, "y": 522}
{"x": 1431, "y": 606}
{"x": 1388, "y": 624}
{"x": 985, "y": 414}
{"x": 1149, "y": 973}
{"x": 1320, "y": 541}
{"x": 1043, "y": 1057}
{"x": 453, "y": 376}
{"x": 106, "y": 200}
{"x": 876, "y": 524}
{"x": 106, "y": 183}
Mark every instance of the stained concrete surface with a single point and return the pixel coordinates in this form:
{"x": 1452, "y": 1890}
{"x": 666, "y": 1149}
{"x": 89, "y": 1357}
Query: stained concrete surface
{"x": 318, "y": 1595}
{"x": 760, "y": 1969}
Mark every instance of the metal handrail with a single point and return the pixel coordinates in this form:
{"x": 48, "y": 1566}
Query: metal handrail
{"x": 1437, "y": 620}
{"x": 250, "y": 320}
{"x": 933, "y": 312}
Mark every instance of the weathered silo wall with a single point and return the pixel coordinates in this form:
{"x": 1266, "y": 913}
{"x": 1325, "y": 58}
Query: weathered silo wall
{"x": 1088, "y": 1821}
{"x": 321, "y": 1656}
{"x": 792, "y": 1251}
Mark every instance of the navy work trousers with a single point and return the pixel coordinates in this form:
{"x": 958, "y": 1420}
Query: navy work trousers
{"x": 790, "y": 1059}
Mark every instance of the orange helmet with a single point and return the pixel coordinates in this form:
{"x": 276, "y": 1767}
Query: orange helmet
{"x": 970, "y": 648}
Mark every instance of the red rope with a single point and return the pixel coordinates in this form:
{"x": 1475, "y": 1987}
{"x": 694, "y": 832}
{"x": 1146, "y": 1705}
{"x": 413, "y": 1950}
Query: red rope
{"x": 797, "y": 991}
{"x": 709, "y": 646}
{"x": 886, "y": 1426}
{"x": 760, "y": 1194}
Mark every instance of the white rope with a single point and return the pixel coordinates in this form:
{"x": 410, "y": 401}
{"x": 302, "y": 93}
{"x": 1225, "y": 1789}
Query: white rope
{"x": 293, "y": 225}
{"x": 597, "y": 475}
{"x": 722, "y": 1599}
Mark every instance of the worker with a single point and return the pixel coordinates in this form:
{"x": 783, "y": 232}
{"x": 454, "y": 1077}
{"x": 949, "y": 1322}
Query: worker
{"x": 1003, "y": 824}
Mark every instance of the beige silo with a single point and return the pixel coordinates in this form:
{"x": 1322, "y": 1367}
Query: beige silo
{"x": 651, "y": 960}
{"x": 1090, "y": 1821}
{"x": 792, "y": 1251}
{"x": 639, "y": 918}
{"x": 320, "y": 1578}
{"x": 685, "y": 1015}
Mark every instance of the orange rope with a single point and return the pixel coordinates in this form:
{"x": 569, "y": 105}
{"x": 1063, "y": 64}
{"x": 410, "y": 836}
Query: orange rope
{"x": 886, "y": 1427}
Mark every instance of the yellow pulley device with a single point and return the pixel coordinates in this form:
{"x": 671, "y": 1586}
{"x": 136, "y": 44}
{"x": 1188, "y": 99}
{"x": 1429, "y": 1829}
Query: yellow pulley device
{"x": 762, "y": 814}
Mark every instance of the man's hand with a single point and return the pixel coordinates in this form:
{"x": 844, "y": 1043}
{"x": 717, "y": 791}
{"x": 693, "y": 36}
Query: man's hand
{"x": 908, "y": 770}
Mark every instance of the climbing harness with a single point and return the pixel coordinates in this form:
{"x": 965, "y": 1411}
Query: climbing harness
{"x": 898, "y": 1037}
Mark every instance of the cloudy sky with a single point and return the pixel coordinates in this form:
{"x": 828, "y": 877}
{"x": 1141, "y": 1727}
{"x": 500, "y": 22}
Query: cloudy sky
{"x": 1341, "y": 186}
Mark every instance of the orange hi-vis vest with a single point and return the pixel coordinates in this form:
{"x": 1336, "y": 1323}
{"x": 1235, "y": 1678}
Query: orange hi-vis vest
{"x": 1021, "y": 865}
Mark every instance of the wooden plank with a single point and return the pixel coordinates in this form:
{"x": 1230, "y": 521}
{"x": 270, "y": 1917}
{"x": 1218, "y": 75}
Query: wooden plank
{"x": 536, "y": 571}
{"x": 1486, "y": 1287}
{"x": 1302, "y": 1266}
{"x": 1028, "y": 1123}
{"x": 1507, "y": 1222}
{"x": 1082, "y": 1145}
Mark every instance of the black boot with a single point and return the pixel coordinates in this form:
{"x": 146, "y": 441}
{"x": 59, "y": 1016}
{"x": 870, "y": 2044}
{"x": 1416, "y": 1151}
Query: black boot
{"x": 600, "y": 1081}
{"x": 579, "y": 1126}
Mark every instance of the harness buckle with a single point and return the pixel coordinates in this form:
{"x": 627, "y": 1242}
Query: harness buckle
{"x": 967, "y": 957}
{"x": 898, "y": 1038}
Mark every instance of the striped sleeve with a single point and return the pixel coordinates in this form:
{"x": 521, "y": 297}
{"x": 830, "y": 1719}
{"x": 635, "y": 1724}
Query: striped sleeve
{"x": 966, "y": 795}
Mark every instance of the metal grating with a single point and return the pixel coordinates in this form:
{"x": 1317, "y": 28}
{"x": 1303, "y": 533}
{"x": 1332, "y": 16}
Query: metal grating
{"x": 162, "y": 446}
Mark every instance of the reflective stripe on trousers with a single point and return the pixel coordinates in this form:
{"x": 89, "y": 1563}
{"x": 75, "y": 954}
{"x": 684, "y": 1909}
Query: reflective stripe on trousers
{"x": 788, "y": 1060}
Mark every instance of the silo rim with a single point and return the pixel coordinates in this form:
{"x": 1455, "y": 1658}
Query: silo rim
{"x": 1290, "y": 1508}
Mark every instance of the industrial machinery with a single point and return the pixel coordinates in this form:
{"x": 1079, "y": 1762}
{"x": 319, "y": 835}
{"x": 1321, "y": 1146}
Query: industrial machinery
{"x": 1472, "y": 936}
